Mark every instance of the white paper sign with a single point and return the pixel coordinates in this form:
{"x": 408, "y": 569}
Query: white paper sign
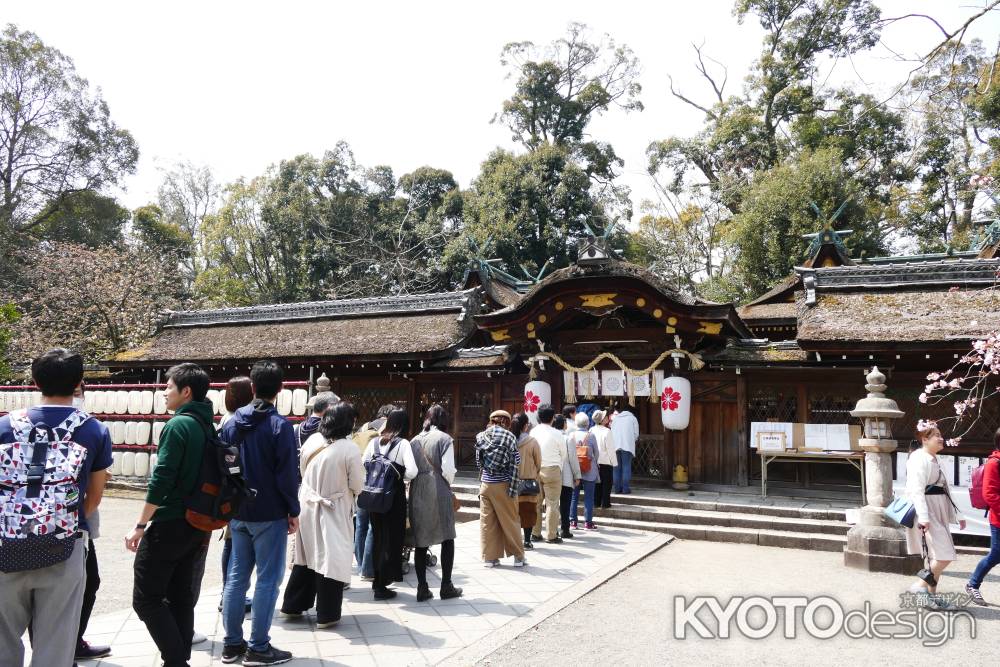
{"x": 640, "y": 384}
{"x": 569, "y": 380}
{"x": 775, "y": 427}
{"x": 838, "y": 437}
{"x": 613, "y": 383}
{"x": 901, "y": 466}
{"x": 966, "y": 464}
{"x": 588, "y": 383}
{"x": 771, "y": 442}
{"x": 947, "y": 463}
{"x": 816, "y": 436}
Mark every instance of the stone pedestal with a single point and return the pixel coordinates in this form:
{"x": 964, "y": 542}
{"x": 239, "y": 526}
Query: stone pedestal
{"x": 875, "y": 543}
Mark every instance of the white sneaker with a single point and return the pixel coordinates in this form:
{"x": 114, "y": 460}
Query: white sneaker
{"x": 520, "y": 562}
{"x": 492, "y": 563}
{"x": 198, "y": 638}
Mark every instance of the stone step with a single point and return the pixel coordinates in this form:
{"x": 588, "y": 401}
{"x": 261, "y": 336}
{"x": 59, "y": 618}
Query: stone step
{"x": 681, "y": 502}
{"x": 700, "y": 517}
{"x": 714, "y": 526}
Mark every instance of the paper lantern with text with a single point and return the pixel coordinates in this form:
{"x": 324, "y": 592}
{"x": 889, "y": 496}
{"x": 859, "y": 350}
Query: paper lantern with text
{"x": 537, "y": 395}
{"x": 675, "y": 403}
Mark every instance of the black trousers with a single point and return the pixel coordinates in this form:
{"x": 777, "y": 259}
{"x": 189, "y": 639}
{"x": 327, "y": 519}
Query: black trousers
{"x": 163, "y": 595}
{"x": 90, "y": 591}
{"x": 306, "y": 587}
{"x": 565, "y": 499}
{"x": 603, "y": 496}
{"x": 389, "y": 530}
{"x": 447, "y": 562}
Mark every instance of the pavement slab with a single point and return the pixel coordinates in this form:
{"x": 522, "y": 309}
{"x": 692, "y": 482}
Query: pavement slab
{"x": 496, "y": 603}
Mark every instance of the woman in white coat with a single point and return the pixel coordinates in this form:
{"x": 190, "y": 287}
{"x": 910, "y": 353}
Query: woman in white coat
{"x": 332, "y": 477}
{"x": 927, "y": 488}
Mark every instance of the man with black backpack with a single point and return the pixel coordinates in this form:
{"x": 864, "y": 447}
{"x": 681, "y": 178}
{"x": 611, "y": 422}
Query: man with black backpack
{"x": 260, "y": 531}
{"x": 42, "y": 555}
{"x": 167, "y": 550}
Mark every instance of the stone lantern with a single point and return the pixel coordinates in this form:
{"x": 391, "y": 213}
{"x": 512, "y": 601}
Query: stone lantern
{"x": 875, "y": 543}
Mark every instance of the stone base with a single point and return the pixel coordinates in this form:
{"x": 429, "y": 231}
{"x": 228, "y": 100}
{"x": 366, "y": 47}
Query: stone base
{"x": 880, "y": 549}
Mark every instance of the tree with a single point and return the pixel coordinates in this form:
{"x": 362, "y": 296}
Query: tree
{"x": 952, "y": 147}
{"x": 532, "y": 207}
{"x": 9, "y": 315}
{"x": 686, "y": 247}
{"x": 776, "y": 214}
{"x": 88, "y": 218}
{"x": 312, "y": 228}
{"x": 97, "y": 302}
{"x": 56, "y": 135}
{"x": 747, "y": 133}
{"x": 188, "y": 194}
{"x": 559, "y": 90}
{"x": 153, "y": 233}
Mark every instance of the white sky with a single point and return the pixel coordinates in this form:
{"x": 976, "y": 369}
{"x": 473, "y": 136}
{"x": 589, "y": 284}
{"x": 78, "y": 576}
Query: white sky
{"x": 241, "y": 85}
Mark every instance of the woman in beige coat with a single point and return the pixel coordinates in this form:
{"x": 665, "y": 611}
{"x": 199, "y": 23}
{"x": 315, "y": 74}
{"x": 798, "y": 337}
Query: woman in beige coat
{"x": 927, "y": 488}
{"x": 332, "y": 477}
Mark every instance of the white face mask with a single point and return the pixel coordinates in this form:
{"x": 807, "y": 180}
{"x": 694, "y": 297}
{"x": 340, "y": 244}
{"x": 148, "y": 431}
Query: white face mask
{"x": 78, "y": 402}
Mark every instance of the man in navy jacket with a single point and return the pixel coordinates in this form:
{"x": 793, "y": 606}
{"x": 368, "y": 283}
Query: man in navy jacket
{"x": 260, "y": 532}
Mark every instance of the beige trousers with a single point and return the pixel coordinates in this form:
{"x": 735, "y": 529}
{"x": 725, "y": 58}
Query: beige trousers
{"x": 550, "y": 479}
{"x": 499, "y": 523}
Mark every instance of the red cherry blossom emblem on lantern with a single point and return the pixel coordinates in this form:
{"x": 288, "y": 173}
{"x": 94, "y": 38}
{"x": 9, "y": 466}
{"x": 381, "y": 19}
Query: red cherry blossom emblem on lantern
{"x": 531, "y": 401}
{"x": 670, "y": 399}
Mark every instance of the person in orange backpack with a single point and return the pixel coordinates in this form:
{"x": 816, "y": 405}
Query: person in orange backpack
{"x": 583, "y": 442}
{"x": 991, "y": 494}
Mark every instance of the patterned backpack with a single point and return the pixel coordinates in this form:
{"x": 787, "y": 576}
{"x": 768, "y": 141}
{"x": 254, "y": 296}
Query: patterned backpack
{"x": 39, "y": 495}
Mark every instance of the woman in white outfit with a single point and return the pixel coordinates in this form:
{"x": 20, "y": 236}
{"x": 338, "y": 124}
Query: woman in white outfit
{"x": 927, "y": 488}
{"x": 332, "y": 477}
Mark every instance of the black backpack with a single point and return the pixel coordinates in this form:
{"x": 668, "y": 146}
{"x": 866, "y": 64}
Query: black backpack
{"x": 381, "y": 480}
{"x": 221, "y": 489}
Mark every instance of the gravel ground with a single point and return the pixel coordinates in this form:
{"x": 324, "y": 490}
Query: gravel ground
{"x": 119, "y": 511}
{"x": 630, "y": 619}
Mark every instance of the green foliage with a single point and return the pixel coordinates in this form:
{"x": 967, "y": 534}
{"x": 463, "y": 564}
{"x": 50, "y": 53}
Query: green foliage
{"x": 313, "y": 228}
{"x": 86, "y": 217}
{"x": 776, "y": 213}
{"x": 8, "y": 316}
{"x": 57, "y": 135}
{"x": 154, "y": 233}
{"x": 533, "y": 207}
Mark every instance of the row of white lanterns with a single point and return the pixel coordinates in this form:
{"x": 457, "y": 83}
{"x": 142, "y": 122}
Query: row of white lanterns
{"x": 674, "y": 392}
{"x": 146, "y": 402}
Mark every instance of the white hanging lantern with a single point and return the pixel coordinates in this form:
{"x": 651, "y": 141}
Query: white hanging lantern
{"x": 537, "y": 395}
{"x": 675, "y": 403}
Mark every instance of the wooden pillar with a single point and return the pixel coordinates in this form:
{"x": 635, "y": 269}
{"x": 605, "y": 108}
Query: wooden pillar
{"x": 743, "y": 460}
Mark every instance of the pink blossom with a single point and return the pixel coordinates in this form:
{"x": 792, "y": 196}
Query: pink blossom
{"x": 953, "y": 442}
{"x": 933, "y": 376}
{"x": 956, "y": 383}
{"x": 923, "y": 398}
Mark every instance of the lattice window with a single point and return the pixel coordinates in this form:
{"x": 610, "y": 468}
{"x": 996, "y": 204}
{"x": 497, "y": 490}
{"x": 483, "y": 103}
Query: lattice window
{"x": 832, "y": 407}
{"x": 428, "y": 396}
{"x": 649, "y": 460}
{"x": 367, "y": 400}
{"x": 772, "y": 404}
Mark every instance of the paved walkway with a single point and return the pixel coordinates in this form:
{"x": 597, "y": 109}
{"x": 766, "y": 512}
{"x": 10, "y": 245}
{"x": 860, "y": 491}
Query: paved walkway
{"x": 402, "y": 631}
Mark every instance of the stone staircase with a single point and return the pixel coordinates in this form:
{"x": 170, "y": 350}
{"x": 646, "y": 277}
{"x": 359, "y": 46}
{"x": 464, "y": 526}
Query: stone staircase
{"x": 741, "y": 518}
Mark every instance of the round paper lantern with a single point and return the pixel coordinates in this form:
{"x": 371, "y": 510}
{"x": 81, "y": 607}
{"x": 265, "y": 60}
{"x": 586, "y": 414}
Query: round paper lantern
{"x": 128, "y": 464}
{"x": 537, "y": 395}
{"x": 141, "y": 464}
{"x": 116, "y": 463}
{"x": 675, "y": 403}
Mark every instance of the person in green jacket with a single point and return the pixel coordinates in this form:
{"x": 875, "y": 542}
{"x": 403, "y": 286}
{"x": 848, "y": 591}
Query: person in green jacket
{"x": 169, "y": 549}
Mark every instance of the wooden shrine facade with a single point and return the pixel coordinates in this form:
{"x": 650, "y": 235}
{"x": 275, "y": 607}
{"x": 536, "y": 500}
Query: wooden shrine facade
{"x": 799, "y": 353}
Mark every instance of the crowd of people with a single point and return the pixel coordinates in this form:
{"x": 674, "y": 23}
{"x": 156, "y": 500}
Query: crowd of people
{"x": 339, "y": 491}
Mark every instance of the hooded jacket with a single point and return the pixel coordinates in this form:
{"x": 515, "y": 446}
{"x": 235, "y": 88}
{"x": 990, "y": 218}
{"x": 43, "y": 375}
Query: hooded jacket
{"x": 270, "y": 461}
{"x": 178, "y": 460}
{"x": 991, "y": 487}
